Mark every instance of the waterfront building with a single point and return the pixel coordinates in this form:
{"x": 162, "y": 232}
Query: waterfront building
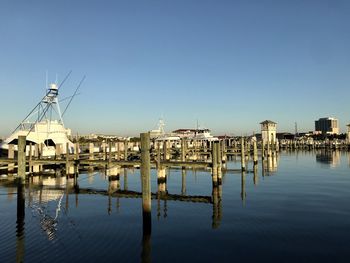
{"x": 268, "y": 131}
{"x": 327, "y": 125}
{"x": 348, "y": 134}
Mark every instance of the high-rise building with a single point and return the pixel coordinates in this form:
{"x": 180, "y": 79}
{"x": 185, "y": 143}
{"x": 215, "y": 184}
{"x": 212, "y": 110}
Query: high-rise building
{"x": 327, "y": 126}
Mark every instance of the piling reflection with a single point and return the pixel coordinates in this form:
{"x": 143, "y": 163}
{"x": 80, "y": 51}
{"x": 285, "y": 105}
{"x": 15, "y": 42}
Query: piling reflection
{"x": 161, "y": 179}
{"x": 270, "y": 163}
{"x": 20, "y": 235}
{"x": 146, "y": 243}
{"x": 256, "y": 177}
{"x": 217, "y": 206}
{"x": 243, "y": 192}
{"x": 183, "y": 181}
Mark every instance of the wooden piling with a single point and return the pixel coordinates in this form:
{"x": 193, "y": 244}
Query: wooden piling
{"x": 21, "y": 158}
{"x": 30, "y": 159}
{"x": 118, "y": 151}
{"x": 255, "y": 153}
{"x": 110, "y": 152}
{"x": 146, "y": 179}
{"x": 36, "y": 151}
{"x": 125, "y": 150}
{"x": 58, "y": 151}
{"x": 67, "y": 158}
{"x": 11, "y": 155}
{"x": 219, "y": 161}
{"x": 215, "y": 163}
{"x": 165, "y": 150}
{"x": 183, "y": 150}
{"x": 91, "y": 151}
{"x": 242, "y": 155}
{"x": 76, "y": 151}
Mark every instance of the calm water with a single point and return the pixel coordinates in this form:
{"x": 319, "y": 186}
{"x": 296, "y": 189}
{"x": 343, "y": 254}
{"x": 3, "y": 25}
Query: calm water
{"x": 296, "y": 209}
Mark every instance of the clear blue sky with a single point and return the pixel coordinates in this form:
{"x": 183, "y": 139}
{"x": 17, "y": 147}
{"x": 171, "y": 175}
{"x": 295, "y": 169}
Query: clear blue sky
{"x": 229, "y": 64}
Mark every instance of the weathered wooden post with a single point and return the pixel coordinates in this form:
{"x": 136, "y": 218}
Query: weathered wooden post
{"x": 165, "y": 150}
{"x": 67, "y": 158}
{"x": 262, "y": 149}
{"x": 242, "y": 155}
{"x": 158, "y": 154}
{"x": 116, "y": 146}
{"x": 255, "y": 153}
{"x": 11, "y": 155}
{"x": 58, "y": 151}
{"x": 76, "y": 151}
{"x": 146, "y": 181}
{"x": 183, "y": 150}
{"x": 110, "y": 152}
{"x": 125, "y": 179}
{"x": 256, "y": 178}
{"x": 21, "y": 158}
{"x": 30, "y": 158}
{"x": 36, "y": 168}
{"x": 36, "y": 151}
{"x": 125, "y": 150}
{"x": 91, "y": 151}
{"x": 223, "y": 151}
{"x": 215, "y": 163}
{"x": 219, "y": 161}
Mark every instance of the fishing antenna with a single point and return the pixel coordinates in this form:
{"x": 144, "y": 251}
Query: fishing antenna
{"x": 67, "y": 76}
{"x": 75, "y": 93}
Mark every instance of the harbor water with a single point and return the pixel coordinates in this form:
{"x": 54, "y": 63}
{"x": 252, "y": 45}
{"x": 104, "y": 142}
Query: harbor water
{"x": 294, "y": 208}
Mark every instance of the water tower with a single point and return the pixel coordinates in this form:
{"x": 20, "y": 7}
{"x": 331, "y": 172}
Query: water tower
{"x": 268, "y": 131}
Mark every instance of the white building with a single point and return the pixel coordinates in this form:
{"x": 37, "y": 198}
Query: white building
{"x": 268, "y": 131}
{"x": 348, "y": 134}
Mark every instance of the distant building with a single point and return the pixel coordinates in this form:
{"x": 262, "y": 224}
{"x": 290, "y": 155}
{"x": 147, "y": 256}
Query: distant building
{"x": 268, "y": 131}
{"x": 348, "y": 134}
{"x": 327, "y": 126}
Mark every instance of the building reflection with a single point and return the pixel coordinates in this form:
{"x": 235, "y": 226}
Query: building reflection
{"x": 270, "y": 163}
{"x": 328, "y": 157}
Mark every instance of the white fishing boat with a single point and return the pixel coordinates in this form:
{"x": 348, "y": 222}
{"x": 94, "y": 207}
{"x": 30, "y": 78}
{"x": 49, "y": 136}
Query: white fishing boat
{"x": 44, "y": 126}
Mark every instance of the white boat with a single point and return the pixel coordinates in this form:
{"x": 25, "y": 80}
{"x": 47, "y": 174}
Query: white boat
{"x": 199, "y": 134}
{"x": 44, "y": 127}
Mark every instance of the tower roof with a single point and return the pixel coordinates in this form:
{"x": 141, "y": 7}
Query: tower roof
{"x": 268, "y": 122}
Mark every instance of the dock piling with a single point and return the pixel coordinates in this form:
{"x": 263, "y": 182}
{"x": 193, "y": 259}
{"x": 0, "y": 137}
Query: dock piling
{"x": 242, "y": 155}
{"x": 21, "y": 158}
{"x": 146, "y": 180}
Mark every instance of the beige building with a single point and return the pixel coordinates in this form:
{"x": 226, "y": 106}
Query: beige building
{"x": 348, "y": 134}
{"x": 268, "y": 131}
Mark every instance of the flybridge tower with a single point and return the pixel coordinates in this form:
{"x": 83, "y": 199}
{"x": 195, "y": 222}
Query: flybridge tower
{"x": 46, "y": 110}
{"x": 51, "y": 101}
